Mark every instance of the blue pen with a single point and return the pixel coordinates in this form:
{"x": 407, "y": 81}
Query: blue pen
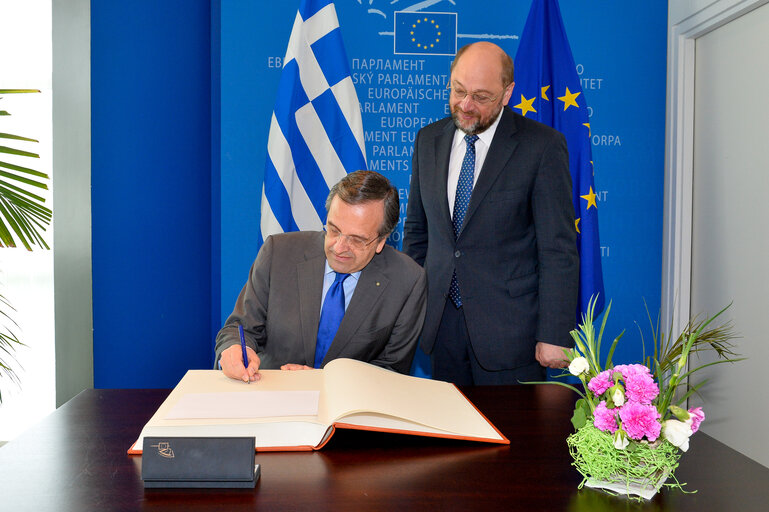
{"x": 243, "y": 346}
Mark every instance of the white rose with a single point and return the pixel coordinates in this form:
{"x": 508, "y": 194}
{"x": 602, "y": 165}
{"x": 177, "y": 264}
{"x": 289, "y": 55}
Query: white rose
{"x": 677, "y": 432}
{"x": 579, "y": 366}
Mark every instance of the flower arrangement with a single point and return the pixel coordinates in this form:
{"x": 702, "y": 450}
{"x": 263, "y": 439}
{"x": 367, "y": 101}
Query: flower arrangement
{"x": 630, "y": 425}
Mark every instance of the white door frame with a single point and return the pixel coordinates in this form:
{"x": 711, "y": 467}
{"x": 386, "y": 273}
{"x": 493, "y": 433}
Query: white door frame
{"x": 687, "y": 21}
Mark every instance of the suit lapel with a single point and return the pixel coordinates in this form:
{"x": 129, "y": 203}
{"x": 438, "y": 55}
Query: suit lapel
{"x": 372, "y": 283}
{"x": 310, "y": 275}
{"x": 500, "y": 151}
{"x": 442, "y": 155}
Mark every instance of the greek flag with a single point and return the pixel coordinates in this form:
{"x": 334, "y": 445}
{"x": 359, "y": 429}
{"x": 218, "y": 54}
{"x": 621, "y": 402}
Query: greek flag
{"x": 316, "y": 133}
{"x": 548, "y": 89}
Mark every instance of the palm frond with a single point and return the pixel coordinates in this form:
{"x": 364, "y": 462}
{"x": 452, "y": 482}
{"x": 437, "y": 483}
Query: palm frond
{"x": 714, "y": 338}
{"x": 8, "y": 344}
{"x": 23, "y": 218}
{"x": 23, "y": 214}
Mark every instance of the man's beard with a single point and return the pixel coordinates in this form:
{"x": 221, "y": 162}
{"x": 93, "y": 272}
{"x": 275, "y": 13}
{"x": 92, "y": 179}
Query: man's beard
{"x": 479, "y": 125}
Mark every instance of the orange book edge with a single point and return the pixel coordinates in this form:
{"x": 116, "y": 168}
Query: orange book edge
{"x": 133, "y": 450}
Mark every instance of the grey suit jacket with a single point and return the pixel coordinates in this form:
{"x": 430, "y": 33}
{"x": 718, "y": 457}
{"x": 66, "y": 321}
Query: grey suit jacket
{"x": 279, "y": 307}
{"x": 516, "y": 258}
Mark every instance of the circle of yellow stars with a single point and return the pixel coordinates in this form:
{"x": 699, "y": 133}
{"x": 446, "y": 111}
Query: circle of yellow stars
{"x": 437, "y": 29}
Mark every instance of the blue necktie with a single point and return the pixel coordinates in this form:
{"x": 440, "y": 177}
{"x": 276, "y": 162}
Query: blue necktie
{"x": 462, "y": 199}
{"x": 330, "y": 317}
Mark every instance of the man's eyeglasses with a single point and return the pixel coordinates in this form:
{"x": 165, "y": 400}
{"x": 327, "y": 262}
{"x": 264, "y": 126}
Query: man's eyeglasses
{"x": 478, "y": 98}
{"x": 354, "y": 241}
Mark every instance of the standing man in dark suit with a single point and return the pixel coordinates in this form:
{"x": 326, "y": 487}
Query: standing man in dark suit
{"x": 490, "y": 218}
{"x": 284, "y": 306}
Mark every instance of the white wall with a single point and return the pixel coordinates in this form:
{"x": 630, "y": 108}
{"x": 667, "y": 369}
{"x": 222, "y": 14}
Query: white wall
{"x": 718, "y": 166}
{"x": 26, "y": 278}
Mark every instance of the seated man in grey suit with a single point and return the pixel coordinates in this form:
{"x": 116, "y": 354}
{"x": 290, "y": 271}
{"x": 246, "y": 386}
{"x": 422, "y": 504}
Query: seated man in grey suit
{"x": 287, "y": 306}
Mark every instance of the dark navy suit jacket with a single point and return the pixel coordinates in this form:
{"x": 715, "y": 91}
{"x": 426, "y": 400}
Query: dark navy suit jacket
{"x": 516, "y": 258}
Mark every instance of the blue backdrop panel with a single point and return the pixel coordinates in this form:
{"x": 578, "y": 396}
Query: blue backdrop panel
{"x": 176, "y": 195}
{"x": 151, "y": 178}
{"x": 619, "y": 49}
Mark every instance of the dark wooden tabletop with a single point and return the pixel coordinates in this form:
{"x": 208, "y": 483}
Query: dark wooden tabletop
{"x": 75, "y": 460}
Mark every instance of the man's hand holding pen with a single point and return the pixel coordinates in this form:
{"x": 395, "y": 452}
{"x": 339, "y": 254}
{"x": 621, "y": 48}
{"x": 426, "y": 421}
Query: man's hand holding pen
{"x": 233, "y": 367}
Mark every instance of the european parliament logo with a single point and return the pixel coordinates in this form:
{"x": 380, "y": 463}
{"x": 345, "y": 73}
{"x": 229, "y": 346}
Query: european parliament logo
{"x": 425, "y": 33}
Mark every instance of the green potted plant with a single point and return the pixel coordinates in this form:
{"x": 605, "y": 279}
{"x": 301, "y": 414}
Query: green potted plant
{"x": 23, "y": 218}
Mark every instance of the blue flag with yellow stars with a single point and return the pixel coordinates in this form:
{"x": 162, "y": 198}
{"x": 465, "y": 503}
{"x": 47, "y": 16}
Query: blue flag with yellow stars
{"x": 548, "y": 89}
{"x": 432, "y": 33}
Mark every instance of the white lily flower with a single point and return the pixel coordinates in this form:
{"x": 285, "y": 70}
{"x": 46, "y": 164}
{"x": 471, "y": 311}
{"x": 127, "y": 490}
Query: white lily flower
{"x": 620, "y": 440}
{"x": 618, "y": 397}
{"x": 677, "y": 432}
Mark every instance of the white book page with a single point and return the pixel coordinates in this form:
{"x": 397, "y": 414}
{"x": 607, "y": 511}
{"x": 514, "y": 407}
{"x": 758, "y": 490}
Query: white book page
{"x": 216, "y": 383}
{"x": 357, "y": 387}
{"x": 250, "y": 404}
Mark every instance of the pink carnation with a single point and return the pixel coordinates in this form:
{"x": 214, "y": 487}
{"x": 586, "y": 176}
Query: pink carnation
{"x": 605, "y": 418}
{"x": 639, "y": 421}
{"x": 601, "y": 382}
{"x": 697, "y": 416}
{"x": 632, "y": 369}
{"x": 640, "y": 387}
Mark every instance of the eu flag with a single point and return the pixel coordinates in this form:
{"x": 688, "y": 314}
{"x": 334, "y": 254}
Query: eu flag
{"x": 418, "y": 33}
{"x": 548, "y": 89}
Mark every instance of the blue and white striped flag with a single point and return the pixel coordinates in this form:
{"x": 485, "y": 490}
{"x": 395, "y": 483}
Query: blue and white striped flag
{"x": 316, "y": 132}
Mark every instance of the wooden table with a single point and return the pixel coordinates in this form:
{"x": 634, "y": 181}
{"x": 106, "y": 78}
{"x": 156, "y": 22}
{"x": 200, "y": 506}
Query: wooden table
{"x": 75, "y": 460}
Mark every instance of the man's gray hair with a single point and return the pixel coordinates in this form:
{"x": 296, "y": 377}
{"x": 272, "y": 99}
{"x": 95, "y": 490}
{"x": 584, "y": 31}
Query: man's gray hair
{"x": 366, "y": 186}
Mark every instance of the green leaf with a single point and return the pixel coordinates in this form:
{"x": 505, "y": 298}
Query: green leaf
{"x": 579, "y": 418}
{"x": 25, "y": 170}
{"x": 555, "y": 382}
{"x": 18, "y": 191}
{"x": 24, "y": 180}
{"x": 17, "y": 91}
{"x": 16, "y": 137}
{"x": 611, "y": 350}
{"x": 720, "y": 361}
{"x": 603, "y": 326}
{"x": 11, "y": 151}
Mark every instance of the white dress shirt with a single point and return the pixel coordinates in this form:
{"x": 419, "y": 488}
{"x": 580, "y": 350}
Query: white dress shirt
{"x": 458, "y": 149}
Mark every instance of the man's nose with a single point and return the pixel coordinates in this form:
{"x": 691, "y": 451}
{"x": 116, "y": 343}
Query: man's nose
{"x": 342, "y": 243}
{"x": 466, "y": 102}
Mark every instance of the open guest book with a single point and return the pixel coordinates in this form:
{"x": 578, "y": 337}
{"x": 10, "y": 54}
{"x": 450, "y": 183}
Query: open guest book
{"x": 299, "y": 410}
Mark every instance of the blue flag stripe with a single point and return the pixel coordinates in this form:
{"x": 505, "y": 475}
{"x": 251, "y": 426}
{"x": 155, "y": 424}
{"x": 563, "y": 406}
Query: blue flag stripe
{"x": 308, "y": 9}
{"x": 338, "y": 131}
{"x": 279, "y": 154}
{"x": 278, "y": 197}
{"x": 334, "y": 70}
{"x": 306, "y": 168}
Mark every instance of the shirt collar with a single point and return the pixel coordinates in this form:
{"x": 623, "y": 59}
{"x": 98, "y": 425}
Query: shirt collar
{"x": 354, "y": 275}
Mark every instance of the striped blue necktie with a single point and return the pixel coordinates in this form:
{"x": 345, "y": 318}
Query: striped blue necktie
{"x": 462, "y": 199}
{"x": 330, "y": 317}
